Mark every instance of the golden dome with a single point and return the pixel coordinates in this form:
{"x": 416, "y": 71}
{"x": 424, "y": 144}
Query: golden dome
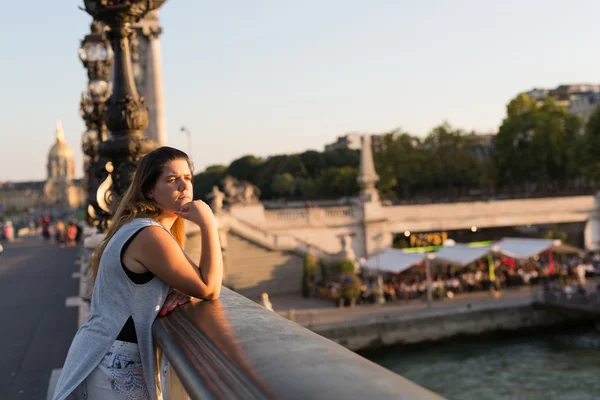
{"x": 60, "y": 149}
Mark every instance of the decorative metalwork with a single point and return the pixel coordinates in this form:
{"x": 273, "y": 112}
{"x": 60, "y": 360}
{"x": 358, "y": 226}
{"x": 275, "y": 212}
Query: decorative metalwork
{"x": 127, "y": 116}
{"x": 97, "y": 56}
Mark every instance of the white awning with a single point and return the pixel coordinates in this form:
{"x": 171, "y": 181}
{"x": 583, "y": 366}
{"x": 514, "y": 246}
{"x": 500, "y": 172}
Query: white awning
{"x": 524, "y": 247}
{"x": 461, "y": 254}
{"x": 393, "y": 260}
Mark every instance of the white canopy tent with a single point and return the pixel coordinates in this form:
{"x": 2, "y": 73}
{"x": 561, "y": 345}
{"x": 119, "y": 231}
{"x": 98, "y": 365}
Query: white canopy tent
{"x": 461, "y": 254}
{"x": 393, "y": 260}
{"x": 523, "y": 248}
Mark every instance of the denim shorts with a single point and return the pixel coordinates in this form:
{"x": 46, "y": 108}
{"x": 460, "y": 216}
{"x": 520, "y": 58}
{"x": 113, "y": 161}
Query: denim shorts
{"x": 119, "y": 376}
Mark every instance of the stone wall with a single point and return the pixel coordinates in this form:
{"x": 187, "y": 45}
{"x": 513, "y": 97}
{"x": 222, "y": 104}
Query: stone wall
{"x": 251, "y": 269}
{"x": 371, "y": 334}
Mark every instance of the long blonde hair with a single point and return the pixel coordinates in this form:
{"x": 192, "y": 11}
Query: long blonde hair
{"x": 135, "y": 203}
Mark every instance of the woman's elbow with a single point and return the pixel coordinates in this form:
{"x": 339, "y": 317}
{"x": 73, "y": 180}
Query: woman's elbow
{"x": 211, "y": 294}
{"x": 214, "y": 295}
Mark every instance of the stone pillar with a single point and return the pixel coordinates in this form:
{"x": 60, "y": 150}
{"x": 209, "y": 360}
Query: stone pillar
{"x": 376, "y": 233}
{"x": 367, "y": 177}
{"x": 148, "y": 72}
{"x": 592, "y": 227}
{"x": 157, "y": 128}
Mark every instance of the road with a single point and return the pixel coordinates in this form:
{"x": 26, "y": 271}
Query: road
{"x": 37, "y": 328}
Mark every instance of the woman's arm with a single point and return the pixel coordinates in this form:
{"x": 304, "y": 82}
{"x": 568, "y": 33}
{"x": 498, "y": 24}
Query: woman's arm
{"x": 211, "y": 259}
{"x": 156, "y": 250}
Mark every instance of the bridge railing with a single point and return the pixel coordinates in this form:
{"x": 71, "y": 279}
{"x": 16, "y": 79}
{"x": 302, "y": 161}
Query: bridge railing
{"x": 310, "y": 216}
{"x": 232, "y": 348}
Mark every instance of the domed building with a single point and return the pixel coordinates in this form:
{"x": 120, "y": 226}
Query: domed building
{"x": 60, "y": 192}
{"x": 59, "y": 189}
{"x": 61, "y": 162}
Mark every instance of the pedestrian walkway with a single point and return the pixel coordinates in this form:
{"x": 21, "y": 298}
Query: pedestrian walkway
{"x": 316, "y": 312}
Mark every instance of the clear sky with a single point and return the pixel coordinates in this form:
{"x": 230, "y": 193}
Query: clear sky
{"x": 280, "y": 76}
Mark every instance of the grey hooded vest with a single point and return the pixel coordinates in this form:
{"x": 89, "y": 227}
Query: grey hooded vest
{"x": 114, "y": 299}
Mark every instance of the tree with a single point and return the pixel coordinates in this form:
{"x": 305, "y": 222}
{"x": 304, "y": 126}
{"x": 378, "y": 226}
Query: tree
{"x": 342, "y": 158}
{"x": 314, "y": 162}
{"x": 587, "y": 147}
{"x": 337, "y": 182}
{"x": 244, "y": 168}
{"x": 283, "y": 184}
{"x": 399, "y": 163}
{"x": 535, "y": 142}
{"x": 451, "y": 161}
{"x": 294, "y": 165}
{"x": 204, "y": 181}
{"x": 266, "y": 173}
{"x": 304, "y": 188}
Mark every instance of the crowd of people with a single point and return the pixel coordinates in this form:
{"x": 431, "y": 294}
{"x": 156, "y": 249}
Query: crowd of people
{"x": 449, "y": 281}
{"x": 64, "y": 234}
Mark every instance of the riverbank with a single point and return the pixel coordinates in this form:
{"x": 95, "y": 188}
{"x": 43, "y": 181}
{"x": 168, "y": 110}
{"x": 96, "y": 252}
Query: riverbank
{"x": 369, "y": 327}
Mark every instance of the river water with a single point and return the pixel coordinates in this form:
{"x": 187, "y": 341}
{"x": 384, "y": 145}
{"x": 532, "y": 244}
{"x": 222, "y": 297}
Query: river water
{"x": 560, "y": 365}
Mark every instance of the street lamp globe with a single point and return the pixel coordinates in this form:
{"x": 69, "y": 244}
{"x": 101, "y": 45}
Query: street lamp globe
{"x": 98, "y": 89}
{"x": 95, "y": 47}
{"x": 96, "y": 53}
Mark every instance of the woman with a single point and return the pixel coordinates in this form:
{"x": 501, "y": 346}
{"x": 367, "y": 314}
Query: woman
{"x": 139, "y": 270}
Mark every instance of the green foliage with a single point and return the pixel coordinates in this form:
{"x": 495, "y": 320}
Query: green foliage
{"x": 283, "y": 184}
{"x": 311, "y": 265}
{"x": 587, "y": 148}
{"x": 451, "y": 162}
{"x": 351, "y": 287}
{"x": 338, "y": 182}
{"x": 304, "y": 188}
{"x": 345, "y": 267}
{"x": 323, "y": 268}
{"x": 535, "y": 142}
{"x": 204, "y": 181}
{"x": 341, "y": 158}
{"x": 309, "y": 273}
{"x": 314, "y": 162}
{"x": 244, "y": 168}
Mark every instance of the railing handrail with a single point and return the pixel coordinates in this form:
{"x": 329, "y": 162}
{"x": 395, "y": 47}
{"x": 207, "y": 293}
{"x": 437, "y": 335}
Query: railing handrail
{"x": 234, "y": 348}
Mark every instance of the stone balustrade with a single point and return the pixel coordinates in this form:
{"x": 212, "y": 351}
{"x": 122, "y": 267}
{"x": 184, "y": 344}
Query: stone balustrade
{"x": 310, "y": 216}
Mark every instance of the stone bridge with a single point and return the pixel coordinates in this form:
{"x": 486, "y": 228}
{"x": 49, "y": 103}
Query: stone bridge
{"x": 446, "y": 216}
{"x": 372, "y": 225}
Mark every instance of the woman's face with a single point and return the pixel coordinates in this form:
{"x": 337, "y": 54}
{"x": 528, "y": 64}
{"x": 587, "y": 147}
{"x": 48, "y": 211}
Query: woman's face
{"x": 173, "y": 188}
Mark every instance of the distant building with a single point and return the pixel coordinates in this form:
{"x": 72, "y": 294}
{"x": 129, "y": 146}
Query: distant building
{"x": 579, "y": 99}
{"x": 584, "y": 105}
{"x": 353, "y": 141}
{"x": 350, "y": 141}
{"x": 59, "y": 192}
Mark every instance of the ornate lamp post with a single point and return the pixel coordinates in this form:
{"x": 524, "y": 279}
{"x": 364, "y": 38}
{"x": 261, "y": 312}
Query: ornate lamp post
{"x": 97, "y": 57}
{"x": 127, "y": 116}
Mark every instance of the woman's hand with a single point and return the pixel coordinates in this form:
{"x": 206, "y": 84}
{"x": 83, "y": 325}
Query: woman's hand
{"x": 197, "y": 212}
{"x": 174, "y": 299}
